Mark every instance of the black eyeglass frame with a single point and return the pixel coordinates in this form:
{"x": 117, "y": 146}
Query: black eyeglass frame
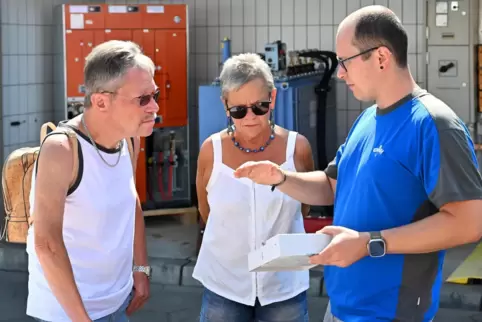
{"x": 342, "y": 61}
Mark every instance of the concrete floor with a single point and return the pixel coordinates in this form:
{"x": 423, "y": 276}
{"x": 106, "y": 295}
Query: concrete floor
{"x": 169, "y": 304}
{"x": 168, "y": 238}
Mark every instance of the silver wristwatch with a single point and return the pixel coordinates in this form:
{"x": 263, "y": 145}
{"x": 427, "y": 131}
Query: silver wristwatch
{"x": 143, "y": 269}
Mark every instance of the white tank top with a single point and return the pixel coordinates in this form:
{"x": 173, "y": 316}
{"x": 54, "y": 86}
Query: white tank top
{"x": 98, "y": 233}
{"x": 243, "y": 215}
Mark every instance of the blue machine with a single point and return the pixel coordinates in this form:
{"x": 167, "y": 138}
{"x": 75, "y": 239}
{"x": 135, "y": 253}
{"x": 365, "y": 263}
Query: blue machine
{"x": 225, "y": 49}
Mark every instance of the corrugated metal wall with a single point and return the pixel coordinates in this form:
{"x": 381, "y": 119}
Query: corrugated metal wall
{"x": 27, "y": 60}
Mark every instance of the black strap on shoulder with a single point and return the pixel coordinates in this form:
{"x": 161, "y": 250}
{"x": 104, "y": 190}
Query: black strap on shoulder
{"x": 79, "y": 154}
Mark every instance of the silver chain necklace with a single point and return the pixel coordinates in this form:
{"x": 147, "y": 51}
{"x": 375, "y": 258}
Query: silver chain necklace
{"x": 97, "y": 149}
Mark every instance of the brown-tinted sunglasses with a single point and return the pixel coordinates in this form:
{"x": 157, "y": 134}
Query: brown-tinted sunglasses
{"x": 143, "y": 99}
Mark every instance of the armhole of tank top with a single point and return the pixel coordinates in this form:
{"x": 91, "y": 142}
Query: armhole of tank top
{"x": 290, "y": 148}
{"x": 217, "y": 158}
{"x": 81, "y": 164}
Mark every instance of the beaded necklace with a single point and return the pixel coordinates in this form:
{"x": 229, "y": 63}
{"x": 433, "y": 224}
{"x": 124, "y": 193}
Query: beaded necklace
{"x": 261, "y": 149}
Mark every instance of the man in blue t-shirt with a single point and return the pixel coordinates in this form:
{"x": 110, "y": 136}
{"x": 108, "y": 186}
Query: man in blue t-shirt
{"x": 406, "y": 180}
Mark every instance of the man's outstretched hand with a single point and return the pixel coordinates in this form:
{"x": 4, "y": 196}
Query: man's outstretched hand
{"x": 261, "y": 172}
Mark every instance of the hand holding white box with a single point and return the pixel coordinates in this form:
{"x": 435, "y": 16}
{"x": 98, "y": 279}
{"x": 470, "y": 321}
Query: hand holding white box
{"x": 287, "y": 252}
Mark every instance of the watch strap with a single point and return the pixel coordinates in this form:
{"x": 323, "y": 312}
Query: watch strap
{"x": 375, "y": 235}
{"x": 142, "y": 269}
{"x": 281, "y": 182}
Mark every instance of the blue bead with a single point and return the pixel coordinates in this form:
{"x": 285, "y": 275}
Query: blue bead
{"x": 255, "y": 150}
{"x": 261, "y": 148}
{"x": 248, "y": 150}
{"x": 241, "y": 148}
{"x": 271, "y": 136}
{"x": 236, "y": 143}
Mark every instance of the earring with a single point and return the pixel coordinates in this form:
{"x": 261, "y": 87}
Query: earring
{"x": 271, "y": 120}
{"x": 229, "y": 125}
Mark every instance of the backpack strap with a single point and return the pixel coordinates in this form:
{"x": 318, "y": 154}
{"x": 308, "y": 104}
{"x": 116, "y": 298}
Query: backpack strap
{"x": 74, "y": 144}
{"x": 44, "y": 130}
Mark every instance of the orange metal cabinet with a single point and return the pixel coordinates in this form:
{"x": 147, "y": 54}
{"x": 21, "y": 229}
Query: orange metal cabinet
{"x": 161, "y": 32}
{"x": 78, "y": 44}
{"x": 84, "y": 17}
{"x": 116, "y": 34}
{"x": 172, "y": 16}
{"x": 123, "y": 17}
{"x": 171, "y": 77}
{"x": 145, "y": 39}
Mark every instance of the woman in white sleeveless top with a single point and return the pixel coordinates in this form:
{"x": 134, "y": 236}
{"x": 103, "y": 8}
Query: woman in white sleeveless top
{"x": 241, "y": 215}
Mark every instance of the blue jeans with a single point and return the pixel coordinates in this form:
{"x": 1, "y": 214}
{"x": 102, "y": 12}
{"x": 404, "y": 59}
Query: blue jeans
{"x": 215, "y": 308}
{"x": 118, "y": 316}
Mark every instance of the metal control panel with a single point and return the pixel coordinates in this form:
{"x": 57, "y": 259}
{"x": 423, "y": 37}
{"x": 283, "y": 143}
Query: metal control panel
{"x": 448, "y": 22}
{"x": 451, "y": 36}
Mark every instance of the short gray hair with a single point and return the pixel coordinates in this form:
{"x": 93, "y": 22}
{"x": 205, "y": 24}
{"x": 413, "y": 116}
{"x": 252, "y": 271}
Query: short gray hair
{"x": 107, "y": 64}
{"x": 243, "y": 68}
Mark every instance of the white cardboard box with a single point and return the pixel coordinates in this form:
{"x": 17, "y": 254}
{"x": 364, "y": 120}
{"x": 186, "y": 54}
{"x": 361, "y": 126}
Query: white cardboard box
{"x": 287, "y": 252}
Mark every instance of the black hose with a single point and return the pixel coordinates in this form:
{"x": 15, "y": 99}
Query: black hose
{"x": 330, "y": 63}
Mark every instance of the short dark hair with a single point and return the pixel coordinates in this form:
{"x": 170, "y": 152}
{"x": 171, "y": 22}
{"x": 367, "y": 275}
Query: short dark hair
{"x": 382, "y": 28}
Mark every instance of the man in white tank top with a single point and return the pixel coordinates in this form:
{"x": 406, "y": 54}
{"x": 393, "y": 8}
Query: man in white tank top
{"x": 86, "y": 247}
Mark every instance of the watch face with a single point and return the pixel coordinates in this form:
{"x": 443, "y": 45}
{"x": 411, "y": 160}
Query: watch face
{"x": 376, "y": 248}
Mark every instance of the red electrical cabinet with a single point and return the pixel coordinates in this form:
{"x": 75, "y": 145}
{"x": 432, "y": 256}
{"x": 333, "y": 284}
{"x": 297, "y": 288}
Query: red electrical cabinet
{"x": 161, "y": 31}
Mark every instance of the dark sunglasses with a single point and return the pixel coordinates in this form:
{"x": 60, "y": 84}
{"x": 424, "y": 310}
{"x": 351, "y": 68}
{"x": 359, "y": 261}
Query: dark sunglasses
{"x": 143, "y": 99}
{"x": 240, "y": 111}
{"x": 342, "y": 61}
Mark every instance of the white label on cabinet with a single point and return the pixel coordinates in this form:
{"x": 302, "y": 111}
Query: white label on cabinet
{"x": 155, "y": 9}
{"x": 76, "y": 21}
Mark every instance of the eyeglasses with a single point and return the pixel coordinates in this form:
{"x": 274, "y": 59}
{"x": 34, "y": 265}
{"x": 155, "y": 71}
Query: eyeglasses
{"x": 240, "y": 111}
{"x": 342, "y": 61}
{"x": 143, "y": 100}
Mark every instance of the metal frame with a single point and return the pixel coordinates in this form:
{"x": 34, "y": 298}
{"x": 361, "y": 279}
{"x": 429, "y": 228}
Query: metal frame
{"x": 474, "y": 7}
{"x": 188, "y": 110}
{"x": 60, "y": 73}
{"x": 2, "y": 147}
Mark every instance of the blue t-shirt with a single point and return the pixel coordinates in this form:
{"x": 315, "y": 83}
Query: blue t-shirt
{"x": 398, "y": 165}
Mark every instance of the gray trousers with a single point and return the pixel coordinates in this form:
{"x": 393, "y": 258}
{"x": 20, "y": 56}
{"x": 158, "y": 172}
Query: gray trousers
{"x": 330, "y": 317}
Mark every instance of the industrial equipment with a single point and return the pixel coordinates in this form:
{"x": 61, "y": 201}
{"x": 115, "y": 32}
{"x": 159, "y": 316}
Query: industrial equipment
{"x": 275, "y": 55}
{"x": 305, "y": 102}
{"x": 162, "y": 177}
{"x": 451, "y": 58}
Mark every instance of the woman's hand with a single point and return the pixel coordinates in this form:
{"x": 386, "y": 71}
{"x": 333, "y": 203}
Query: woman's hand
{"x": 261, "y": 172}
